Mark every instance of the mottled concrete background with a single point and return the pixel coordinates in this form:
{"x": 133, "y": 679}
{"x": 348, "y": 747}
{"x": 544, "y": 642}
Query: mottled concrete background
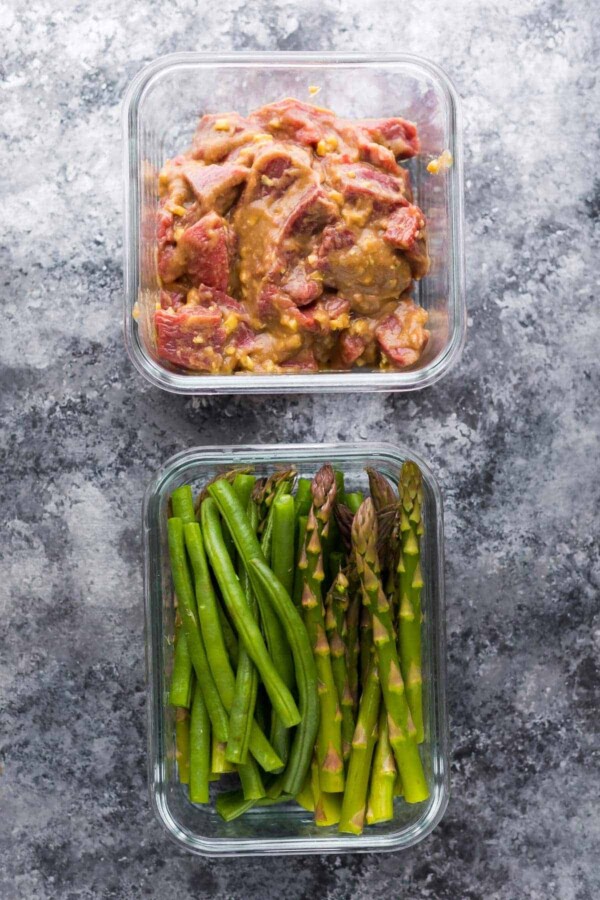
{"x": 512, "y": 434}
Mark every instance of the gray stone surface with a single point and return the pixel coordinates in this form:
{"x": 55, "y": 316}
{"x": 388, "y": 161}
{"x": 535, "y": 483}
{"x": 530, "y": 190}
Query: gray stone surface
{"x": 512, "y": 433}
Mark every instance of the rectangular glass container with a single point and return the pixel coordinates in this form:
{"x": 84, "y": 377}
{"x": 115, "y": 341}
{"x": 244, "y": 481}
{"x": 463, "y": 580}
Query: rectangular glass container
{"x": 160, "y": 112}
{"x": 286, "y": 828}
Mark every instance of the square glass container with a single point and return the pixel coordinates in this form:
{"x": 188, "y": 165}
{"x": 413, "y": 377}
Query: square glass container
{"x": 161, "y": 110}
{"x": 286, "y": 829}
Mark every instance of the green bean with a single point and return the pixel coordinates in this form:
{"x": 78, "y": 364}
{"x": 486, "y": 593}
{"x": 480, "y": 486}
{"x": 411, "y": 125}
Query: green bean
{"x": 182, "y": 742}
{"x": 187, "y": 607}
{"x": 199, "y": 749}
{"x": 246, "y": 679}
{"x": 277, "y": 645}
{"x": 229, "y": 636}
{"x": 306, "y": 677}
{"x": 252, "y": 785}
{"x": 232, "y": 804}
{"x": 298, "y": 573}
{"x": 241, "y": 714}
{"x": 266, "y": 542}
{"x": 218, "y": 764}
{"x": 303, "y": 498}
{"x": 282, "y": 552}
{"x": 181, "y": 678}
{"x": 247, "y": 628}
{"x": 354, "y": 500}
{"x": 182, "y": 504}
{"x": 243, "y": 486}
{"x": 218, "y": 660}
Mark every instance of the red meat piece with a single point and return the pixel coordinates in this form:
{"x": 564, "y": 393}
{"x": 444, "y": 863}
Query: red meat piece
{"x": 304, "y": 361}
{"x": 215, "y": 187}
{"x": 319, "y": 315}
{"x": 213, "y": 144}
{"x": 310, "y": 214}
{"x": 171, "y": 299}
{"x": 378, "y": 156}
{"x": 207, "y": 246}
{"x": 396, "y": 134}
{"x": 170, "y": 262}
{"x": 351, "y": 347}
{"x": 274, "y": 169}
{"x": 362, "y": 180}
{"x": 300, "y": 287}
{"x": 402, "y": 335}
{"x": 190, "y": 337}
{"x": 299, "y": 121}
{"x": 404, "y": 227}
{"x": 334, "y": 237}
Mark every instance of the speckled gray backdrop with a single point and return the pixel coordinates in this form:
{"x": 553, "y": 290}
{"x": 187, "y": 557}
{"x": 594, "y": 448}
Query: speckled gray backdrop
{"x": 512, "y": 433}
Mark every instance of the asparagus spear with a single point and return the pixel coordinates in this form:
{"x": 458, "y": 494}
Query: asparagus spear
{"x": 383, "y": 777}
{"x": 352, "y": 642}
{"x": 336, "y": 605}
{"x": 329, "y": 736}
{"x": 327, "y": 806}
{"x": 363, "y": 743}
{"x": 410, "y": 584}
{"x": 401, "y": 727}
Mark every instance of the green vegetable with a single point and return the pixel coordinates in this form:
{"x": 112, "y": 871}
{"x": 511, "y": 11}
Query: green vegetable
{"x": 181, "y": 677}
{"x": 354, "y": 500}
{"x": 306, "y": 678}
{"x": 182, "y": 504}
{"x": 329, "y": 737}
{"x": 233, "y": 595}
{"x": 383, "y": 777}
{"x": 182, "y": 742}
{"x": 246, "y": 679}
{"x": 243, "y": 485}
{"x": 299, "y": 573}
{"x": 218, "y": 763}
{"x": 410, "y": 583}
{"x": 328, "y": 807}
{"x": 335, "y": 626}
{"x": 218, "y": 660}
{"x": 303, "y": 498}
{"x": 187, "y": 608}
{"x": 199, "y": 749}
{"x": 401, "y": 728}
{"x": 232, "y": 804}
{"x": 282, "y": 552}
{"x": 352, "y": 818}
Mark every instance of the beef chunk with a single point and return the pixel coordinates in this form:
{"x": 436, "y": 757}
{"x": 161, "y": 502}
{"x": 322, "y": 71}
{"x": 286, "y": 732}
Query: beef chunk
{"x": 217, "y": 136}
{"x": 215, "y": 187}
{"x": 398, "y": 135}
{"x": 402, "y": 335}
{"x": 207, "y": 251}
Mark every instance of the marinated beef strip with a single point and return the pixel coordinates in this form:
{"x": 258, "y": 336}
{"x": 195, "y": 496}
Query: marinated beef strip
{"x": 288, "y": 241}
